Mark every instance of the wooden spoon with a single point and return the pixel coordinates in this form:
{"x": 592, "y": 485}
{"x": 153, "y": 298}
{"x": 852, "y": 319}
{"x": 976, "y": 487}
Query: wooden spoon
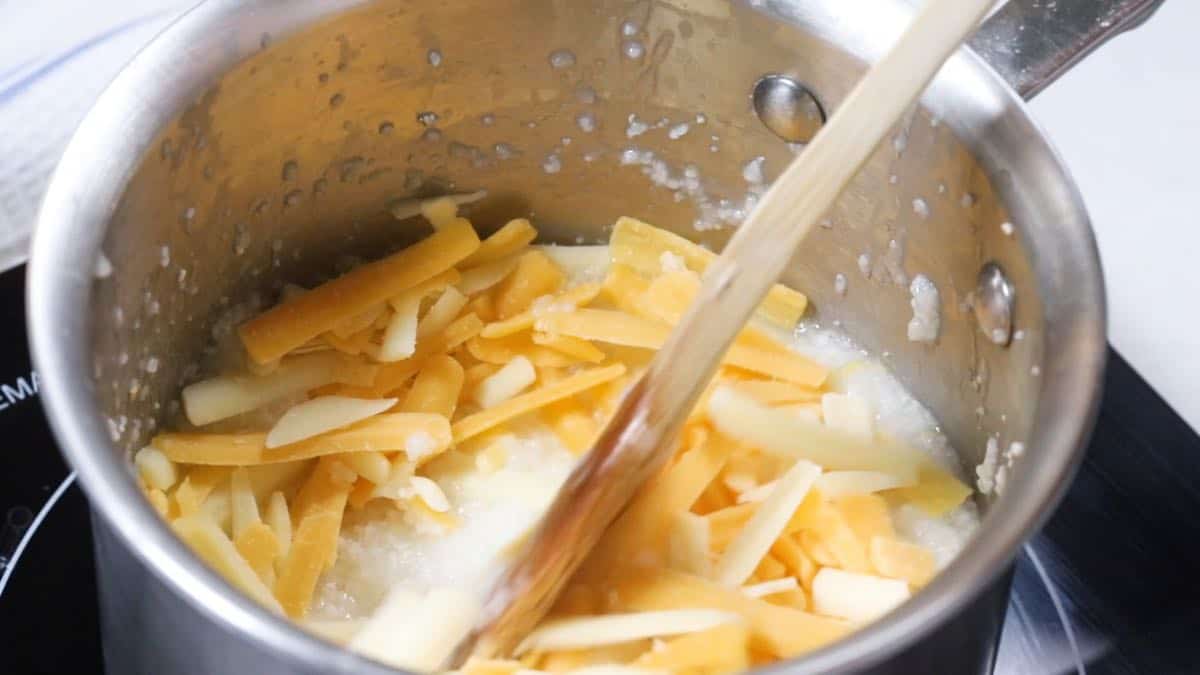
{"x": 638, "y": 439}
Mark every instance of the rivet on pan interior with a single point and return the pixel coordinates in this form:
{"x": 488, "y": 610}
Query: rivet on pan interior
{"x": 787, "y": 108}
{"x": 994, "y": 299}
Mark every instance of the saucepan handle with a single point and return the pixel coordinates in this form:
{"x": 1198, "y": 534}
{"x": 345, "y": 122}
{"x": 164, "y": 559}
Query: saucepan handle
{"x": 1031, "y": 43}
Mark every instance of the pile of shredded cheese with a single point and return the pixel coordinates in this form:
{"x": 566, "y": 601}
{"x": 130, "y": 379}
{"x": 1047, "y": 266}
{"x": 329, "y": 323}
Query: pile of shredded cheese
{"x": 435, "y": 399}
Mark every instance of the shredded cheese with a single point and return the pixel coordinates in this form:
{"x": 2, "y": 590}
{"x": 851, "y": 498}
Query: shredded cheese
{"x": 196, "y": 487}
{"x": 437, "y": 387}
{"x": 641, "y": 246}
{"x": 293, "y": 322}
{"x": 410, "y": 208}
{"x": 158, "y": 499}
{"x": 280, "y": 476}
{"x": 689, "y": 543}
{"x": 792, "y": 555}
{"x": 215, "y": 548}
{"x": 572, "y": 298}
{"x": 393, "y": 376}
{"x": 280, "y": 520}
{"x": 371, "y": 465}
{"x": 595, "y": 631}
{"x": 936, "y": 491}
{"x": 848, "y": 413}
{"x": 866, "y": 515}
{"x": 605, "y": 669}
{"x": 383, "y": 433}
{"x": 571, "y": 346}
{"x": 432, "y": 286}
{"x": 856, "y": 597}
{"x": 338, "y": 631}
{"x": 772, "y": 587}
{"x": 645, "y": 524}
{"x": 243, "y": 504}
{"x": 742, "y": 512}
{"x": 440, "y": 212}
{"x": 757, "y": 493}
{"x": 224, "y": 396}
{"x": 726, "y": 522}
{"x": 430, "y": 493}
{"x": 358, "y": 323}
{"x": 417, "y": 633}
{"x": 155, "y": 469}
{"x": 605, "y": 326}
{"x": 782, "y": 632}
{"x": 500, "y": 351}
{"x": 442, "y": 312}
{"x": 321, "y": 415}
{"x": 752, "y": 542}
{"x": 505, "y": 383}
{"x": 846, "y": 483}
{"x": 589, "y": 263}
{"x": 319, "y": 506}
{"x": 901, "y": 560}
{"x": 574, "y": 425}
{"x": 480, "y": 422}
{"x": 624, "y": 287}
{"x": 632, "y": 331}
{"x": 503, "y": 243}
{"x": 479, "y": 279}
{"x": 722, "y": 649}
{"x": 535, "y": 275}
{"x": 258, "y": 545}
{"x": 777, "y": 431}
{"x": 774, "y": 392}
{"x": 400, "y": 336}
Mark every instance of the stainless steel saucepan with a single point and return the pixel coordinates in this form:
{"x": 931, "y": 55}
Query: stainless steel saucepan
{"x": 259, "y": 140}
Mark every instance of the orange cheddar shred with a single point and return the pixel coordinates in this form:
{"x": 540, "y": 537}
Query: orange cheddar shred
{"x": 318, "y": 507}
{"x": 295, "y": 321}
{"x": 780, "y": 631}
{"x": 386, "y": 432}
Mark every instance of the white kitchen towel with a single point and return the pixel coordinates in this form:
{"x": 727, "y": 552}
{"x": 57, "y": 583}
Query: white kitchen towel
{"x": 56, "y": 56}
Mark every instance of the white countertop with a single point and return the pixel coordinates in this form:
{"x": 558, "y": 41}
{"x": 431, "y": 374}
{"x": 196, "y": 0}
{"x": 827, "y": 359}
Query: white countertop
{"x": 1127, "y": 121}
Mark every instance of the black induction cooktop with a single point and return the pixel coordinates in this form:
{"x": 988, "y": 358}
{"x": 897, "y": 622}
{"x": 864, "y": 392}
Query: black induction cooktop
{"x": 1110, "y": 585}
